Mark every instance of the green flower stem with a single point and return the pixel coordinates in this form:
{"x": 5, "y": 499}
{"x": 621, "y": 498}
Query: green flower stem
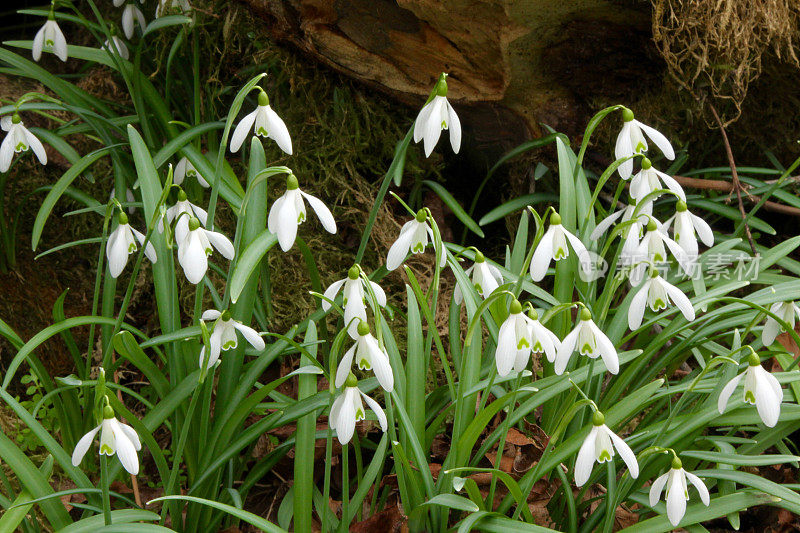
{"x": 611, "y": 497}
{"x": 502, "y": 442}
{"x": 343, "y": 525}
{"x": 104, "y": 485}
{"x": 178, "y": 450}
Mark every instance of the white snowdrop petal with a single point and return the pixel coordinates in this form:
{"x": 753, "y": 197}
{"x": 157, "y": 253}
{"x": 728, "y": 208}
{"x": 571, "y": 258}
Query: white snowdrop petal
{"x": 251, "y": 335}
{"x": 331, "y": 292}
{"x": 83, "y": 446}
{"x": 656, "y": 488}
{"x": 676, "y": 501}
{"x": 658, "y": 139}
{"x": 343, "y": 370}
{"x": 454, "y": 127}
{"x": 681, "y": 301}
{"x": 542, "y": 256}
{"x": 36, "y": 146}
{"x": 244, "y": 127}
{"x": 399, "y": 250}
{"x": 586, "y": 456}
{"x": 726, "y": 392}
{"x": 278, "y": 131}
{"x": 323, "y": 213}
{"x": 637, "y": 307}
{"x": 376, "y": 408}
{"x": 125, "y": 449}
{"x": 626, "y": 453}
{"x": 221, "y": 243}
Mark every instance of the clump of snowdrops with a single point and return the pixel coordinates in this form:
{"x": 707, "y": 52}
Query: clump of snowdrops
{"x": 578, "y": 330}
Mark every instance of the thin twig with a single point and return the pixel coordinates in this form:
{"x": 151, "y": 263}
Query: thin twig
{"x": 737, "y": 185}
{"x": 726, "y": 186}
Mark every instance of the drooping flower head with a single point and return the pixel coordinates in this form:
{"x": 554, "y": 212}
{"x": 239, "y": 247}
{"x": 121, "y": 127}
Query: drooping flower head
{"x": 264, "y": 122}
{"x": 19, "y": 139}
{"x": 182, "y": 211}
{"x": 50, "y": 38}
{"x": 788, "y": 311}
{"x": 587, "y": 339}
{"x": 760, "y": 389}
{"x": 649, "y": 180}
{"x": 355, "y": 309}
{"x": 132, "y": 15}
{"x": 635, "y": 229}
{"x": 554, "y": 247}
{"x": 657, "y": 293}
{"x": 185, "y": 169}
{"x": 369, "y": 355}
{"x": 122, "y": 242}
{"x": 631, "y": 141}
{"x": 165, "y": 6}
{"x": 413, "y": 238}
{"x": 116, "y": 46}
{"x": 289, "y": 211}
{"x": 435, "y": 116}
{"x": 115, "y": 438}
{"x": 652, "y": 250}
{"x": 513, "y": 341}
{"x": 196, "y": 246}
{"x": 485, "y": 278}
{"x": 677, "y": 491}
{"x": 599, "y": 447}
{"x": 224, "y": 337}
{"x": 347, "y": 409}
{"x": 686, "y": 227}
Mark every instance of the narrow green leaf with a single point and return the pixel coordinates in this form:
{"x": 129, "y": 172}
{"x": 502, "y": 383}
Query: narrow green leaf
{"x": 241, "y": 514}
{"x": 455, "y": 207}
{"x": 249, "y": 260}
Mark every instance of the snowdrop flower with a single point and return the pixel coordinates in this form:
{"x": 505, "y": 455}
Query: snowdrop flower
{"x": 653, "y": 249}
{"x": 130, "y": 16}
{"x": 117, "y": 47}
{"x": 289, "y": 211}
{"x": 760, "y": 389}
{"x": 631, "y": 141}
{"x": 115, "y": 438}
{"x": 264, "y": 122}
{"x": 224, "y": 338}
{"x": 788, "y": 311}
{"x": 686, "y": 227}
{"x": 414, "y": 238}
{"x": 369, "y": 356}
{"x": 648, "y": 179}
{"x": 513, "y": 341}
{"x": 553, "y": 246}
{"x": 19, "y": 139}
{"x": 194, "y": 248}
{"x": 182, "y": 211}
{"x": 633, "y": 233}
{"x": 165, "y": 6}
{"x": 587, "y": 339}
{"x": 485, "y": 277}
{"x": 122, "y": 242}
{"x": 185, "y": 169}
{"x": 599, "y": 446}
{"x": 657, "y": 293}
{"x": 677, "y": 492}
{"x": 50, "y": 37}
{"x": 347, "y": 409}
{"x": 543, "y": 341}
{"x": 353, "y": 298}
{"x": 435, "y": 116}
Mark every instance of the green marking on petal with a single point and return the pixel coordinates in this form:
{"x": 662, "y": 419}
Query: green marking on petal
{"x": 660, "y": 304}
{"x": 228, "y": 345}
{"x": 586, "y": 349}
{"x": 479, "y": 288}
{"x": 604, "y": 457}
{"x": 21, "y": 147}
{"x": 640, "y": 147}
{"x": 106, "y": 449}
{"x": 749, "y": 397}
{"x": 261, "y": 131}
{"x": 418, "y": 248}
{"x": 364, "y": 364}
{"x": 561, "y": 253}
{"x": 49, "y": 42}
{"x": 523, "y": 343}
{"x": 537, "y": 348}
{"x": 131, "y": 248}
{"x": 360, "y": 413}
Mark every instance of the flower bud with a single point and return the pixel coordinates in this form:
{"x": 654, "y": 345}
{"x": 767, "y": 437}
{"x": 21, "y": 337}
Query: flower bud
{"x": 555, "y": 219}
{"x": 122, "y": 218}
{"x": 363, "y": 328}
{"x": 681, "y": 206}
{"x": 15, "y": 118}
{"x": 194, "y": 223}
{"x": 351, "y": 381}
{"x": 677, "y": 464}
{"x": 598, "y": 419}
{"x": 441, "y": 85}
{"x": 753, "y": 359}
{"x": 479, "y": 257}
{"x": 646, "y": 164}
{"x": 586, "y": 314}
{"x": 422, "y": 216}
{"x": 263, "y": 99}
{"x": 291, "y": 182}
{"x": 182, "y": 196}
{"x": 532, "y": 314}
{"x": 226, "y": 315}
{"x": 515, "y": 308}
{"x": 651, "y": 225}
{"x": 108, "y": 412}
